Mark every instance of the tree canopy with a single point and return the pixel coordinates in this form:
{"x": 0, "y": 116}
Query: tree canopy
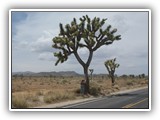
{"x": 87, "y": 33}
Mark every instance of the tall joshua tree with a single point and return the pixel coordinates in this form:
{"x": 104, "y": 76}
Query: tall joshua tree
{"x": 87, "y": 33}
{"x": 111, "y": 66}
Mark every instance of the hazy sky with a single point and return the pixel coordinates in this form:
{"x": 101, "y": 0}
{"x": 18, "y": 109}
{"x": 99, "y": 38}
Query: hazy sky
{"x": 32, "y": 34}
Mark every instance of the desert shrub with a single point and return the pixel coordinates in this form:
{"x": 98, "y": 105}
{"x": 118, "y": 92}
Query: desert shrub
{"x": 130, "y": 83}
{"x": 77, "y": 91}
{"x": 41, "y": 83}
{"x": 95, "y": 89}
{"x": 64, "y": 81}
{"x": 50, "y": 93}
{"x": 35, "y": 99}
{"x": 144, "y": 82}
{"x": 57, "y": 97}
{"x": 39, "y": 93}
{"x": 19, "y": 102}
{"x": 48, "y": 99}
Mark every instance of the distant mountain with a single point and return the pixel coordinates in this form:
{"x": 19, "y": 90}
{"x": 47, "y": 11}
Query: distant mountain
{"x": 53, "y": 73}
{"x": 27, "y": 73}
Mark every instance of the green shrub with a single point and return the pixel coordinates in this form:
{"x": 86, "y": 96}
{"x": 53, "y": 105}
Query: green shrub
{"x": 95, "y": 89}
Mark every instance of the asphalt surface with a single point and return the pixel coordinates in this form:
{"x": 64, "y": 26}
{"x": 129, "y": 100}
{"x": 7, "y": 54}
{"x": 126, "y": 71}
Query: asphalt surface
{"x": 132, "y": 100}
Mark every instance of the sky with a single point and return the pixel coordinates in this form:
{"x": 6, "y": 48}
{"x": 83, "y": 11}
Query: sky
{"x": 32, "y": 34}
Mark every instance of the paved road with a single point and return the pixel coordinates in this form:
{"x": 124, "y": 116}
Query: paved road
{"x": 133, "y": 100}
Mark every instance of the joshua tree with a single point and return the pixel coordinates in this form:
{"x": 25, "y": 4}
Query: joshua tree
{"x": 111, "y": 66}
{"x": 91, "y": 71}
{"x": 142, "y": 75}
{"x": 89, "y": 34}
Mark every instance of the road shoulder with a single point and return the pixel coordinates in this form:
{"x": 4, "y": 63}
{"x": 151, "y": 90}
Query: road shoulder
{"x": 91, "y": 98}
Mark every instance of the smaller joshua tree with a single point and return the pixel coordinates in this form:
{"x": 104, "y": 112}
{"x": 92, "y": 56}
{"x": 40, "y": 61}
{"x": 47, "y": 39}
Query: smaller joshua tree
{"x": 91, "y": 71}
{"x": 111, "y": 66}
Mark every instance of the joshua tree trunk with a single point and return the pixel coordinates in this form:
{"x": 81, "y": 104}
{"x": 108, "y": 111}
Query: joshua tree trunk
{"x": 113, "y": 80}
{"x": 86, "y": 78}
{"x": 85, "y": 67}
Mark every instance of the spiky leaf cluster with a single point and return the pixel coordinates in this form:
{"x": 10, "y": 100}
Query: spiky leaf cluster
{"x": 84, "y": 33}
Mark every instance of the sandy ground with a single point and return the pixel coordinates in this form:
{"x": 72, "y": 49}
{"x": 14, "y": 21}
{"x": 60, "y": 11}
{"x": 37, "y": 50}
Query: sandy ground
{"x": 91, "y": 98}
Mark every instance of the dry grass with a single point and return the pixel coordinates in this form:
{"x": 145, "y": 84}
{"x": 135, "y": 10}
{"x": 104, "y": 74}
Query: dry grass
{"x": 36, "y": 91}
{"x": 52, "y": 96}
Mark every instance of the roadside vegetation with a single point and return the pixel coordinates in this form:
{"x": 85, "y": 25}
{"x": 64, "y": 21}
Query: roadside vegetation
{"x": 36, "y": 91}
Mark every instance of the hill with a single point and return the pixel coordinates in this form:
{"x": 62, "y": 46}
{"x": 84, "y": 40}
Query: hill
{"x": 53, "y": 73}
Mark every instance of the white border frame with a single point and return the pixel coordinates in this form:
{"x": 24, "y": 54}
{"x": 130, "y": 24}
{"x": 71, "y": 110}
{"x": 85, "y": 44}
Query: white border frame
{"x": 85, "y": 10}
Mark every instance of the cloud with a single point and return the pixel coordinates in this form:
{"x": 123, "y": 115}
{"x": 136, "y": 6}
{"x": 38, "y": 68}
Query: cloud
{"x": 121, "y": 23}
{"x": 43, "y": 43}
{"x": 46, "y": 56}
